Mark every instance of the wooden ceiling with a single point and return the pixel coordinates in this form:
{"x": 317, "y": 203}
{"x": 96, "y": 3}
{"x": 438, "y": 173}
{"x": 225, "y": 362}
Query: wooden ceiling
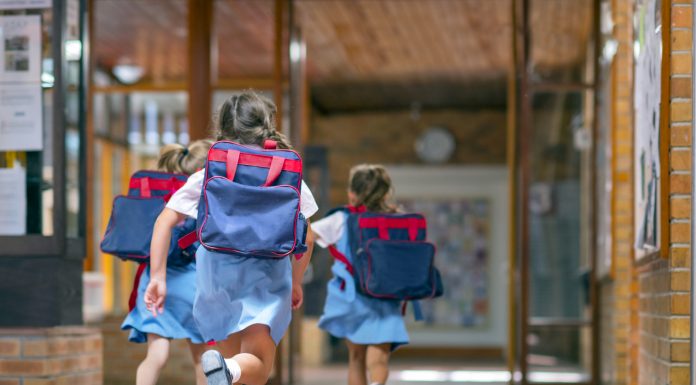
{"x": 359, "y": 51}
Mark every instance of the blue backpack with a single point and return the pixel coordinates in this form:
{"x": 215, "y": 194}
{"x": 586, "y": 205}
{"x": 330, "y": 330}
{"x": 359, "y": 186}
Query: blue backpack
{"x": 250, "y": 202}
{"x": 133, "y": 216}
{"x": 391, "y": 259}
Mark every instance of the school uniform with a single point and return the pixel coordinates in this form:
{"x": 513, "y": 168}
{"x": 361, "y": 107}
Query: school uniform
{"x": 347, "y": 313}
{"x": 177, "y": 320}
{"x": 235, "y": 292}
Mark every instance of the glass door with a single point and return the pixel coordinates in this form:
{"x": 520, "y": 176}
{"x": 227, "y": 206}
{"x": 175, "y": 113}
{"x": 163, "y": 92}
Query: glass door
{"x": 555, "y": 311}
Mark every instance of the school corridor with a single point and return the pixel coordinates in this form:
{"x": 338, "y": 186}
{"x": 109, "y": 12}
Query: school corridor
{"x": 548, "y": 143}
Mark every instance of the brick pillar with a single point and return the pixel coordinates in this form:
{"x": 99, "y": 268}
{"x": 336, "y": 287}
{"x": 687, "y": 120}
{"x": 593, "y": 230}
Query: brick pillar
{"x": 681, "y": 33}
{"x": 618, "y": 295}
{"x": 51, "y": 356}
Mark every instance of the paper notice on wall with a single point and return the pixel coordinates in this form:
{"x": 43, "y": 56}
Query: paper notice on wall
{"x": 20, "y": 117}
{"x": 24, "y": 4}
{"x": 20, "y": 49}
{"x": 13, "y": 201}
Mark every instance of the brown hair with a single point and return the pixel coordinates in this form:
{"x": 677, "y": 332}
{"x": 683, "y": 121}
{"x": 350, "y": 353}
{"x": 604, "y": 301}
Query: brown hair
{"x": 184, "y": 160}
{"x": 372, "y": 187}
{"x": 248, "y": 118}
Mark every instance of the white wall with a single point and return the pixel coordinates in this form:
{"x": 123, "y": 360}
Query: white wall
{"x": 414, "y": 182}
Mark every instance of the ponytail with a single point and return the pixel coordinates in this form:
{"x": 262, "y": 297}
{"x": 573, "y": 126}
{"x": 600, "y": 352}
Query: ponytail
{"x": 169, "y": 158}
{"x": 372, "y": 186}
{"x": 176, "y": 158}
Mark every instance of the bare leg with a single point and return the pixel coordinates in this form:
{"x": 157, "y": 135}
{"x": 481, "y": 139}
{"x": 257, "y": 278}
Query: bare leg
{"x": 157, "y": 355}
{"x": 356, "y": 364}
{"x": 256, "y": 357}
{"x": 196, "y": 352}
{"x": 378, "y": 363}
{"x": 231, "y": 346}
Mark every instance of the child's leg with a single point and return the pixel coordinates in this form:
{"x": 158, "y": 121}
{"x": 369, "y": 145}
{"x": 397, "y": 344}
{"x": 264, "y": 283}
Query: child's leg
{"x": 378, "y": 363}
{"x": 251, "y": 367}
{"x": 257, "y": 354}
{"x": 356, "y": 364}
{"x": 231, "y": 346}
{"x": 196, "y": 351}
{"x": 157, "y": 355}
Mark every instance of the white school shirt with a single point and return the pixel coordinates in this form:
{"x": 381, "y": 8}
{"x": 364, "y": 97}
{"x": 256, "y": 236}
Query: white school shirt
{"x": 330, "y": 229}
{"x": 185, "y": 199}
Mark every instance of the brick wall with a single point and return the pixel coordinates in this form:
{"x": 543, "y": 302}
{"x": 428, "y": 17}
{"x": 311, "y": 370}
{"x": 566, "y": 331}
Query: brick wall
{"x": 665, "y": 283}
{"x": 51, "y": 356}
{"x": 121, "y": 357}
{"x": 388, "y": 137}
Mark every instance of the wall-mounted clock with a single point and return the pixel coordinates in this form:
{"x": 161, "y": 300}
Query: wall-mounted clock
{"x": 435, "y": 145}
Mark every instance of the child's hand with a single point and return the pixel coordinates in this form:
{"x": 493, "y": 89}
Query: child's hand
{"x": 297, "y": 296}
{"x": 154, "y": 296}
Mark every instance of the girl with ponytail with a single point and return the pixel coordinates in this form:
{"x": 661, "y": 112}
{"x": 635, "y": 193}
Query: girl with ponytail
{"x": 244, "y": 304}
{"x": 372, "y": 327}
{"x": 178, "y": 323}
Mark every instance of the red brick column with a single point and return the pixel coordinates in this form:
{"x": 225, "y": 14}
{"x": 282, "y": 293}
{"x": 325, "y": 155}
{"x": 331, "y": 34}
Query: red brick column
{"x": 51, "y": 356}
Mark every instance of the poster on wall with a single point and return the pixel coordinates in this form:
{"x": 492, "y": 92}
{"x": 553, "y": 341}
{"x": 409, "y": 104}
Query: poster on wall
{"x": 20, "y": 49}
{"x": 24, "y": 4}
{"x": 21, "y": 117}
{"x": 13, "y": 201}
{"x": 647, "y": 95}
{"x": 460, "y": 229}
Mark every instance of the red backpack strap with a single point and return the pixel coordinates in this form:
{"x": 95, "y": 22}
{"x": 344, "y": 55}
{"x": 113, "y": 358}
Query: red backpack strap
{"x": 269, "y": 144}
{"x": 187, "y": 240}
{"x": 274, "y": 171}
{"x": 145, "y": 188}
{"x": 342, "y": 258}
{"x": 232, "y": 163}
{"x": 136, "y": 282}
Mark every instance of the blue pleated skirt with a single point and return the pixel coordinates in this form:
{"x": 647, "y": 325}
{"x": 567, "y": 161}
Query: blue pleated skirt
{"x": 177, "y": 320}
{"x": 360, "y": 319}
{"x": 235, "y": 292}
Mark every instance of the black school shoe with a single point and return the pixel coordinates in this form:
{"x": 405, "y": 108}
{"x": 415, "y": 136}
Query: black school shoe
{"x": 215, "y": 368}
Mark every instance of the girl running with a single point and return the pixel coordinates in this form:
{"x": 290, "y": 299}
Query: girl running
{"x": 372, "y": 327}
{"x": 178, "y": 322}
{"x": 242, "y": 303}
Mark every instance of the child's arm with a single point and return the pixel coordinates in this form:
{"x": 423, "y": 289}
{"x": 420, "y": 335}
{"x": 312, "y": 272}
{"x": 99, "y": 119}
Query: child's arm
{"x": 159, "y": 247}
{"x": 299, "y": 266}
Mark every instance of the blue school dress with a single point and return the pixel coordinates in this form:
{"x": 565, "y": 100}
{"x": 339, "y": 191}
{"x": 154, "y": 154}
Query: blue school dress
{"x": 176, "y": 322}
{"x": 360, "y": 319}
{"x": 235, "y": 292}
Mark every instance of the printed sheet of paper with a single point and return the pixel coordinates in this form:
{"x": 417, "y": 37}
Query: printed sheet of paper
{"x": 13, "y": 201}
{"x": 21, "y": 117}
{"x": 24, "y": 4}
{"x": 20, "y": 49}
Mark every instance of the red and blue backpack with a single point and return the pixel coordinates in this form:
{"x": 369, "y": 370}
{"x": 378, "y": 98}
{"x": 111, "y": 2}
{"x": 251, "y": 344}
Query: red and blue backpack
{"x": 250, "y": 201}
{"x": 133, "y": 217}
{"x": 391, "y": 258}
{"x": 132, "y": 220}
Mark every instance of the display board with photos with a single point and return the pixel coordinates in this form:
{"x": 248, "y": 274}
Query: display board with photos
{"x": 460, "y": 229}
{"x": 647, "y": 117}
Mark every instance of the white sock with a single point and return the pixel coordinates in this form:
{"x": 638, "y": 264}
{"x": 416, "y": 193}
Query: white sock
{"x": 376, "y": 383}
{"x": 234, "y": 369}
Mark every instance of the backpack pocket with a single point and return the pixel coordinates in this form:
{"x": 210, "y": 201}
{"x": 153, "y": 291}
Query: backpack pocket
{"x": 393, "y": 269}
{"x": 129, "y": 231}
{"x": 301, "y": 235}
{"x": 249, "y": 220}
{"x": 179, "y": 256}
